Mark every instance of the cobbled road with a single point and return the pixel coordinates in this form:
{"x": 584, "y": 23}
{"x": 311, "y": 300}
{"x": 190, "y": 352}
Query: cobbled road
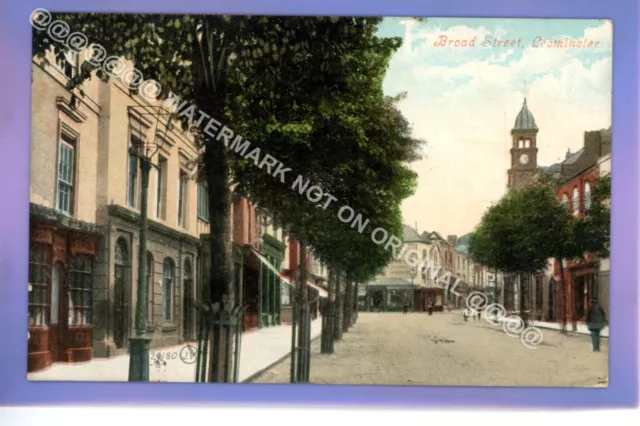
{"x": 417, "y": 349}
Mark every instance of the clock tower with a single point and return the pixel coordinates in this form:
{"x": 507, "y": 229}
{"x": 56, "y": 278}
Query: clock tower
{"x": 524, "y": 151}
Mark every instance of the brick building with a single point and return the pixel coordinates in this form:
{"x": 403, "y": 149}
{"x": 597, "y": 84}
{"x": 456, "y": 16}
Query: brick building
{"x": 576, "y": 176}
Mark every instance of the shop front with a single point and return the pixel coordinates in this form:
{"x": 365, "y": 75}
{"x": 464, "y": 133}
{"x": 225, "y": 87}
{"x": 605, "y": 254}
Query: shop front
{"x": 430, "y": 297}
{"x": 61, "y": 273}
{"x": 271, "y": 258}
{"x": 390, "y": 295}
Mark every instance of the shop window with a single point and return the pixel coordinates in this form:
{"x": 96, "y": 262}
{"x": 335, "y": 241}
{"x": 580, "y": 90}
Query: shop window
{"x": 396, "y": 297}
{"x": 39, "y": 278}
{"x": 79, "y": 290}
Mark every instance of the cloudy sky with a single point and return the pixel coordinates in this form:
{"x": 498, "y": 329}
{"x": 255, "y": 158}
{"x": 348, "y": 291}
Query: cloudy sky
{"x": 464, "y": 101}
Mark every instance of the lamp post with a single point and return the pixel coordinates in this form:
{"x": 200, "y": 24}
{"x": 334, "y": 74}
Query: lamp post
{"x": 413, "y": 273}
{"x": 143, "y": 151}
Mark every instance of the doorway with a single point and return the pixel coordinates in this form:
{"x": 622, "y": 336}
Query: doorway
{"x": 59, "y": 324}
{"x": 551, "y": 314}
{"x": 582, "y": 291}
{"x": 377, "y": 299}
{"x": 120, "y": 305}
{"x": 187, "y": 315}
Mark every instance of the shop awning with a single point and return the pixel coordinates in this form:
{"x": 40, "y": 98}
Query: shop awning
{"x": 322, "y": 292}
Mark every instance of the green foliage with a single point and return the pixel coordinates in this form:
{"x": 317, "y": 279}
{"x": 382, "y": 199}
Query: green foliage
{"x": 306, "y": 90}
{"x": 593, "y": 233}
{"x": 524, "y": 230}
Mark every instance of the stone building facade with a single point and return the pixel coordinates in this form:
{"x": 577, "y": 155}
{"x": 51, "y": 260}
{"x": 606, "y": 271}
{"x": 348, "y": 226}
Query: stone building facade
{"x": 85, "y": 193}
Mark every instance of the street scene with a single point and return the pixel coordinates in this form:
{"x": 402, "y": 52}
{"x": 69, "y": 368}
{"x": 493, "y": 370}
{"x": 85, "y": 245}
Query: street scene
{"x": 325, "y": 200}
{"x": 443, "y": 350}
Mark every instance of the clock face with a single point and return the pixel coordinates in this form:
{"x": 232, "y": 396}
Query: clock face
{"x": 524, "y": 158}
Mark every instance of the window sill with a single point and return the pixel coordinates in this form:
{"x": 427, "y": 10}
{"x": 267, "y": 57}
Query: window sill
{"x": 169, "y": 327}
{"x": 203, "y": 220}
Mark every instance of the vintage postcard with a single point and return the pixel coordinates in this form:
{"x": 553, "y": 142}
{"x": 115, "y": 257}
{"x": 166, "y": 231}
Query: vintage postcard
{"x": 325, "y": 200}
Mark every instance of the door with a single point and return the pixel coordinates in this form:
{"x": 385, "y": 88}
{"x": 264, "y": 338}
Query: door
{"x": 551, "y": 315}
{"x": 58, "y": 324}
{"x": 579, "y": 297}
{"x": 120, "y": 302}
{"x": 187, "y": 315}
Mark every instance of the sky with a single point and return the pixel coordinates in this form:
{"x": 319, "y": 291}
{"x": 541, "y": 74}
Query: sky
{"x": 463, "y": 101}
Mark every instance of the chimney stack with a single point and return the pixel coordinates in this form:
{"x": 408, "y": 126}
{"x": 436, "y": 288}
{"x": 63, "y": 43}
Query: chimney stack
{"x": 452, "y": 239}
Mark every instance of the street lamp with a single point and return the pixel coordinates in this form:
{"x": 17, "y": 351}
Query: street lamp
{"x": 412, "y": 273}
{"x": 140, "y": 148}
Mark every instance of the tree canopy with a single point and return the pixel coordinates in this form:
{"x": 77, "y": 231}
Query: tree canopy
{"x": 521, "y": 232}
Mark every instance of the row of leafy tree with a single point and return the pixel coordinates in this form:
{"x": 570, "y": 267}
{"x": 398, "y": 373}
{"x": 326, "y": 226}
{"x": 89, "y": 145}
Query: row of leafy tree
{"x": 529, "y": 226}
{"x": 305, "y": 90}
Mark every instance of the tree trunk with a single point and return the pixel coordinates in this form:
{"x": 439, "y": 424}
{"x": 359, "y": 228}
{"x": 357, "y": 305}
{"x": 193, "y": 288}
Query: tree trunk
{"x": 574, "y": 305}
{"x": 328, "y": 316}
{"x": 337, "y": 325}
{"x": 220, "y": 284}
{"x": 210, "y": 98}
{"x": 347, "y": 305}
{"x": 303, "y": 323}
{"x": 525, "y": 284}
{"x": 354, "y": 312}
{"x": 563, "y": 297}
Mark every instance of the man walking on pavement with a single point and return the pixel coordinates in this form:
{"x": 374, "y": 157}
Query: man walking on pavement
{"x": 595, "y": 323}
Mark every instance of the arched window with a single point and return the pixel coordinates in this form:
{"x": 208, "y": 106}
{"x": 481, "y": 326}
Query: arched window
{"x": 150, "y": 287}
{"x": 188, "y": 279}
{"x": 121, "y": 280}
{"x": 187, "y": 298}
{"x": 576, "y": 200}
{"x": 565, "y": 201}
{"x": 167, "y": 286}
{"x": 521, "y": 143}
{"x": 587, "y": 196}
{"x": 527, "y": 143}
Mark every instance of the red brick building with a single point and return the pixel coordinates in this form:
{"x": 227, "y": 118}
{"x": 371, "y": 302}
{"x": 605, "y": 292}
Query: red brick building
{"x": 577, "y": 175}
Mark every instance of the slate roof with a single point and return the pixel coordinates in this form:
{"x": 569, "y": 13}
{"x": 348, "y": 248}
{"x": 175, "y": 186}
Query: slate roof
{"x": 463, "y": 244}
{"x": 411, "y": 236}
{"x": 525, "y": 120}
{"x": 572, "y": 158}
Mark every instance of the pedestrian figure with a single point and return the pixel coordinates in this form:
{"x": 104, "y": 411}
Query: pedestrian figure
{"x": 479, "y": 314}
{"x": 465, "y": 313}
{"x": 405, "y": 308}
{"x": 596, "y": 319}
{"x": 430, "y": 308}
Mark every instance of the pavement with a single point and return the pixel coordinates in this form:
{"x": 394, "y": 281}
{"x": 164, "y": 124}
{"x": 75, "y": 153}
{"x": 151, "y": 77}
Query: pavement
{"x": 443, "y": 350}
{"x": 260, "y": 349}
{"x": 581, "y": 328}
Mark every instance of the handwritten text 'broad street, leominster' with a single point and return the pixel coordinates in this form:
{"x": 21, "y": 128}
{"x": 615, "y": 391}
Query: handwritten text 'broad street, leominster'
{"x": 537, "y": 42}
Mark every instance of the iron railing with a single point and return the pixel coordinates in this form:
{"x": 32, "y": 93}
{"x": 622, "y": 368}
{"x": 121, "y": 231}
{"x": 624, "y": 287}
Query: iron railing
{"x": 301, "y": 342}
{"x": 212, "y": 328}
